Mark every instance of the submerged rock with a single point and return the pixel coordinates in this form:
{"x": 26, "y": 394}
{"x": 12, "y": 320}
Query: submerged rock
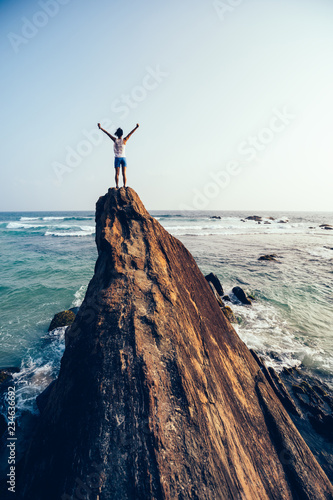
{"x": 323, "y": 424}
{"x": 256, "y": 218}
{"x": 272, "y": 256}
{"x": 64, "y": 318}
{"x": 241, "y": 295}
{"x": 212, "y": 278}
{"x": 157, "y": 396}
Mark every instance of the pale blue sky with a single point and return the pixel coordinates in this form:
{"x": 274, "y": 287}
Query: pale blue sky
{"x": 234, "y": 102}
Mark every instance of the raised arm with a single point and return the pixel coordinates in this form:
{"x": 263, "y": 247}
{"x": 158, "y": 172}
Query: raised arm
{"x": 105, "y": 132}
{"x": 132, "y": 132}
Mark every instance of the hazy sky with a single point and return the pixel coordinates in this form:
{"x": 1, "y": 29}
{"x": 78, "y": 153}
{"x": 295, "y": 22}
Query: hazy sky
{"x": 234, "y": 100}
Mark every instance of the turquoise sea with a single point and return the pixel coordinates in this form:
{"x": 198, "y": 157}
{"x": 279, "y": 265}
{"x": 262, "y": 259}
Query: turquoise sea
{"x": 47, "y": 260}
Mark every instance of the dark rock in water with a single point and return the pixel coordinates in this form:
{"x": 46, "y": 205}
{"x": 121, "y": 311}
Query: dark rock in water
{"x": 272, "y": 256}
{"x": 157, "y": 396}
{"x": 320, "y": 390}
{"x": 314, "y": 401}
{"x": 266, "y": 222}
{"x": 42, "y": 399}
{"x": 241, "y": 295}
{"x": 226, "y": 298}
{"x": 289, "y": 371}
{"x": 326, "y": 226}
{"x": 309, "y": 404}
{"x": 282, "y": 221}
{"x": 277, "y": 385}
{"x": 270, "y": 218}
{"x": 215, "y": 217}
{"x": 211, "y": 277}
{"x": 257, "y": 218}
{"x": 6, "y": 373}
{"x": 3, "y": 425}
{"x": 64, "y": 318}
{"x": 323, "y": 424}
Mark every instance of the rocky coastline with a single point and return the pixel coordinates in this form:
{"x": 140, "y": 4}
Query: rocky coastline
{"x": 157, "y": 396}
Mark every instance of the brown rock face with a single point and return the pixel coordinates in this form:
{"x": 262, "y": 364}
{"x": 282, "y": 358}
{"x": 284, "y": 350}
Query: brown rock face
{"x": 157, "y": 397}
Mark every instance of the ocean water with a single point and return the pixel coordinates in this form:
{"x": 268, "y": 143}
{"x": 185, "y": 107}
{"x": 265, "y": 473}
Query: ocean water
{"x": 47, "y": 261}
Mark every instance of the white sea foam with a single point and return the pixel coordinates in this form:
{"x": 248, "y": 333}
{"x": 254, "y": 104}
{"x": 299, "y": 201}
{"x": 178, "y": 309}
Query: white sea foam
{"x": 30, "y": 218}
{"x": 19, "y": 225}
{"x": 263, "y": 329}
{"x": 67, "y": 218}
{"x": 37, "y": 372}
{"x": 69, "y": 235}
{"x": 324, "y": 252}
{"x": 53, "y": 218}
{"x": 79, "y": 296}
{"x": 232, "y": 225}
{"x": 83, "y": 231}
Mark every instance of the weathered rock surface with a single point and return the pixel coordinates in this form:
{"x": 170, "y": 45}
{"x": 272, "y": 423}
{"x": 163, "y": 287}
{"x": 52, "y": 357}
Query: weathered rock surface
{"x": 43, "y": 398}
{"x": 157, "y": 397}
{"x": 228, "y": 313}
{"x": 216, "y": 295}
{"x": 309, "y": 403}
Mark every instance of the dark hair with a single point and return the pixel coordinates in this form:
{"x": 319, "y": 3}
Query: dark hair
{"x": 119, "y": 132}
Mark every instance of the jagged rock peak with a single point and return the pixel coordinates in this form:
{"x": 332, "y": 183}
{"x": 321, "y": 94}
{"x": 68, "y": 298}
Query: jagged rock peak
{"x": 157, "y": 396}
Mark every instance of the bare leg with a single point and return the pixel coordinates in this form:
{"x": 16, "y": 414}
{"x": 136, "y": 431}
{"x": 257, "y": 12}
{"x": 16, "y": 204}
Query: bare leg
{"x": 124, "y": 175}
{"x": 117, "y": 176}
